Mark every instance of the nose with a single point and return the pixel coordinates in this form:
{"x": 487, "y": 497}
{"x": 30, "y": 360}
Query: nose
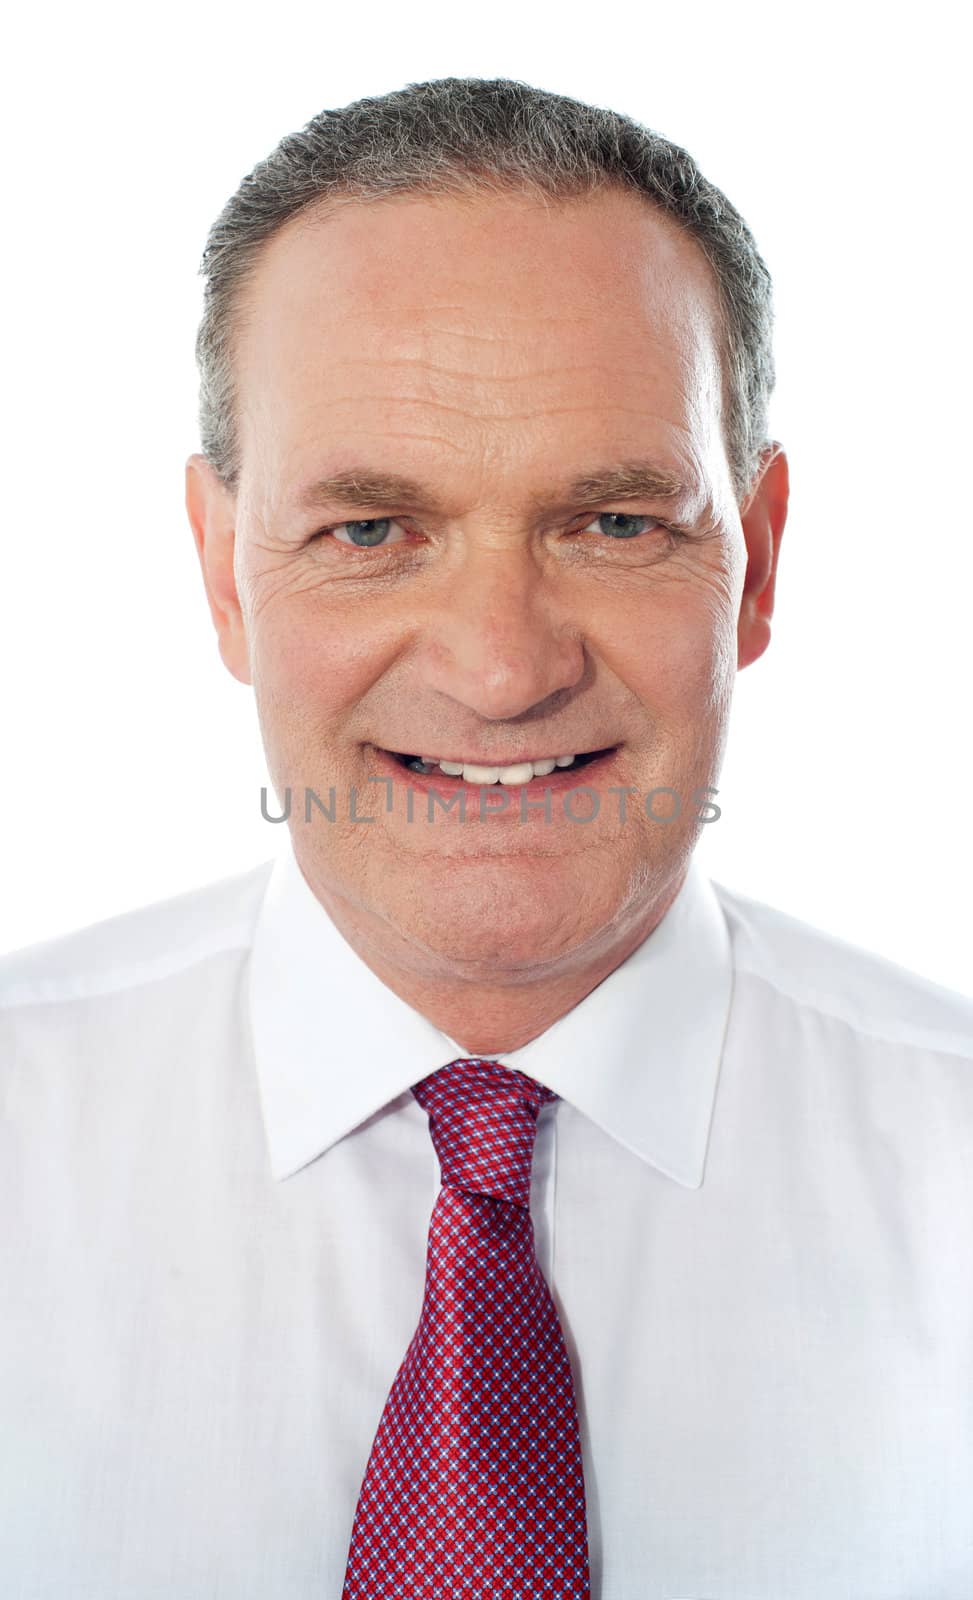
{"x": 496, "y": 640}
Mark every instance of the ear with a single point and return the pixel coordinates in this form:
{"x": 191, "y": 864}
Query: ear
{"x": 212, "y": 515}
{"x": 762, "y": 516}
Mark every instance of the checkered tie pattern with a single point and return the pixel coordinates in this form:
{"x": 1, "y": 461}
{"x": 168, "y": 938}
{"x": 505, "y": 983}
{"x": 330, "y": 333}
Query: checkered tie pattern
{"x": 474, "y": 1488}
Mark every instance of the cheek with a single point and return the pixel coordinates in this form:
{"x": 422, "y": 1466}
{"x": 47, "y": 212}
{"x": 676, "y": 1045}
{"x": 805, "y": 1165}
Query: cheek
{"x": 302, "y": 660}
{"x": 681, "y": 656}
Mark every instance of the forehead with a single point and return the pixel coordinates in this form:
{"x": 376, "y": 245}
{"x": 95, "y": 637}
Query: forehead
{"x": 488, "y": 323}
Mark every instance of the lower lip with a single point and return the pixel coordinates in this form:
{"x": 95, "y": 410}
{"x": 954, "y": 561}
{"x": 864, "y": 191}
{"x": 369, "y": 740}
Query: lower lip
{"x": 561, "y": 780}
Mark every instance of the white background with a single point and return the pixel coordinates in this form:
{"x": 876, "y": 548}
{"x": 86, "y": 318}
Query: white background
{"x": 133, "y": 763}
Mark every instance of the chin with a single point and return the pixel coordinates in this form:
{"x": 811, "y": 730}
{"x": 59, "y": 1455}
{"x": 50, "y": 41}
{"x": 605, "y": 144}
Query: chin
{"x": 482, "y": 918}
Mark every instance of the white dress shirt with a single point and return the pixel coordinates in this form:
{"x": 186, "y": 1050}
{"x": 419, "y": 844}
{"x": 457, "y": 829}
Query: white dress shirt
{"x": 753, "y": 1204}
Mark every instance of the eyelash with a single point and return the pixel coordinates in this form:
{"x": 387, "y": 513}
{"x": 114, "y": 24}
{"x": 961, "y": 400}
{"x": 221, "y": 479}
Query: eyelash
{"x": 672, "y": 529}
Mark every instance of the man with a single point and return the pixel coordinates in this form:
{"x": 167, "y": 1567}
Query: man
{"x": 476, "y": 1200}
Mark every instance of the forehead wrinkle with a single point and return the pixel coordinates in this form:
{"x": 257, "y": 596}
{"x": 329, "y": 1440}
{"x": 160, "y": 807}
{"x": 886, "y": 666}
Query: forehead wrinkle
{"x": 425, "y": 402}
{"x": 467, "y": 374}
{"x": 440, "y": 369}
{"x": 347, "y": 311}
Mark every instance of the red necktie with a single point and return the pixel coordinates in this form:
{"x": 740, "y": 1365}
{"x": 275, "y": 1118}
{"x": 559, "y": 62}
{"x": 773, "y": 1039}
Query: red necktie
{"x": 474, "y": 1488}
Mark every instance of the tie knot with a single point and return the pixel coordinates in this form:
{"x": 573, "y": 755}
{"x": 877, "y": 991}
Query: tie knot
{"x": 482, "y": 1121}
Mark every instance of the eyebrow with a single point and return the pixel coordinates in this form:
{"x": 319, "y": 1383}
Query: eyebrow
{"x": 363, "y": 488}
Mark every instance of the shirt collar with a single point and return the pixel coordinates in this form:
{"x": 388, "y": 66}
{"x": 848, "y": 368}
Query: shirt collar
{"x": 639, "y": 1055}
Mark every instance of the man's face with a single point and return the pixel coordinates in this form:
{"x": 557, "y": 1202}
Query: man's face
{"x": 496, "y": 351}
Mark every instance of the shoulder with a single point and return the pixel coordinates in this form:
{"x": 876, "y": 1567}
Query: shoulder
{"x": 144, "y": 946}
{"x": 804, "y": 968}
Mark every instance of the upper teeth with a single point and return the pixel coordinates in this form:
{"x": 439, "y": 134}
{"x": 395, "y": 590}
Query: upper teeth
{"x": 521, "y": 773}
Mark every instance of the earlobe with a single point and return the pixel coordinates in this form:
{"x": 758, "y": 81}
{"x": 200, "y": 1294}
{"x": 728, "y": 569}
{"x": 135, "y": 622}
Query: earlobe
{"x": 762, "y": 518}
{"x": 211, "y": 511}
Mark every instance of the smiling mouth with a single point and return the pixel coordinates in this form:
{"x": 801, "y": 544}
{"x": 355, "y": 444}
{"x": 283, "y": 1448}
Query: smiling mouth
{"x": 415, "y": 763}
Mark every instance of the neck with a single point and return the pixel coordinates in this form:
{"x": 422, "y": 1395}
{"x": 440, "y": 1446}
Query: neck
{"x": 487, "y": 1007}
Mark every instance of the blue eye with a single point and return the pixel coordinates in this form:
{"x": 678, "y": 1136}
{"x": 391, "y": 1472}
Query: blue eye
{"x": 366, "y": 533}
{"x": 622, "y": 521}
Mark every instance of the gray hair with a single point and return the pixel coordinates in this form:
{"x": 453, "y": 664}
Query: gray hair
{"x": 454, "y": 135}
